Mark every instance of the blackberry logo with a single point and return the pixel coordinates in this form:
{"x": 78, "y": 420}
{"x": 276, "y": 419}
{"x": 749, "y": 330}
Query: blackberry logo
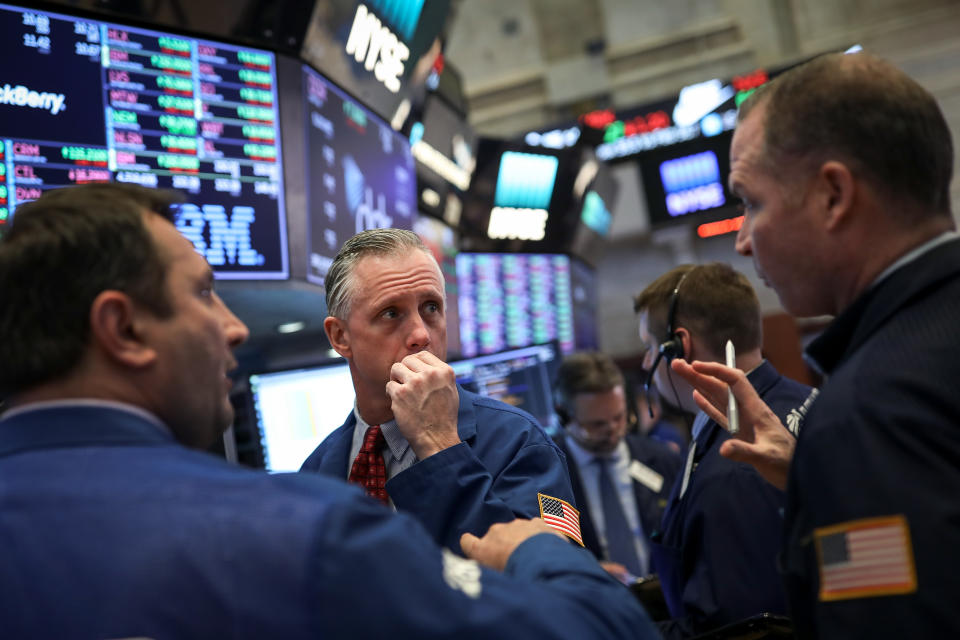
{"x": 21, "y": 96}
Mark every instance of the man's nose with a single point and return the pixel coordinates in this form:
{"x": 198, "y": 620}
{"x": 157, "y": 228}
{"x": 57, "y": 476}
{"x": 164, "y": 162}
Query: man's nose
{"x": 743, "y": 245}
{"x": 234, "y": 328}
{"x": 419, "y": 336}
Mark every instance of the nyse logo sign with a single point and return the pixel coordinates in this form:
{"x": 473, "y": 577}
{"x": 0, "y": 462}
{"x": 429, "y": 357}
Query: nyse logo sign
{"x": 372, "y": 43}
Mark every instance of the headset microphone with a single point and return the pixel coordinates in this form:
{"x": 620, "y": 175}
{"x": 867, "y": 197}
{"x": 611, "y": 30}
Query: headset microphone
{"x": 670, "y": 348}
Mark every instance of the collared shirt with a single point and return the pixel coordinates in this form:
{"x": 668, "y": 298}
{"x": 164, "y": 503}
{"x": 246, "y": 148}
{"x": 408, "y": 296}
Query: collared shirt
{"x": 915, "y": 253}
{"x": 826, "y": 351}
{"x": 87, "y": 402}
{"x": 619, "y": 472}
{"x": 398, "y": 456}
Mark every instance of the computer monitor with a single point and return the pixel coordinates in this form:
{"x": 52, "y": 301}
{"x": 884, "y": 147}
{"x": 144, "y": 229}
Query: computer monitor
{"x": 85, "y": 100}
{"x": 520, "y": 377}
{"x": 296, "y": 410}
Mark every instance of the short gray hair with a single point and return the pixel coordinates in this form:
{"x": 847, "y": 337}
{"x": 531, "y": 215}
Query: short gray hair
{"x": 339, "y": 282}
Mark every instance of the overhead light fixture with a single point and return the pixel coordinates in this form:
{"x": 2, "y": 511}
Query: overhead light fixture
{"x": 291, "y": 327}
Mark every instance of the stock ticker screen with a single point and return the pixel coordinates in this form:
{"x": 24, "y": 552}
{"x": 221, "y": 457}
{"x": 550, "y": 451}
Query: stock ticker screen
{"x": 85, "y": 101}
{"x": 514, "y": 300}
{"x": 360, "y": 172}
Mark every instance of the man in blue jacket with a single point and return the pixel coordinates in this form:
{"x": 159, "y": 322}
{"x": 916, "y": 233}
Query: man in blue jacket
{"x": 457, "y": 461}
{"x": 620, "y": 480}
{"x": 117, "y": 356}
{"x": 716, "y": 554}
{"x": 844, "y": 167}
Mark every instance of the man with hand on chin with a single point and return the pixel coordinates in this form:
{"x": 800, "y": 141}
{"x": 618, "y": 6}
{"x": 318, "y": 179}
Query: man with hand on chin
{"x": 457, "y": 461}
{"x": 114, "y": 527}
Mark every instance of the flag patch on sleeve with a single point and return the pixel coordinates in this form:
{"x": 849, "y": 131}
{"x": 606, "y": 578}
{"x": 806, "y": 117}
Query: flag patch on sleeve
{"x": 560, "y": 515}
{"x": 865, "y": 558}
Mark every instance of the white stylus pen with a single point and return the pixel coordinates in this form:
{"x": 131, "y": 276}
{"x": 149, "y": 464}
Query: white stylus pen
{"x": 733, "y": 418}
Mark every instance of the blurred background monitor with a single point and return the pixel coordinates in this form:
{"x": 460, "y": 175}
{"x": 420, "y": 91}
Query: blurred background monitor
{"x": 583, "y": 290}
{"x": 514, "y": 300}
{"x": 688, "y": 181}
{"x": 519, "y": 377}
{"x": 295, "y": 410}
{"x": 360, "y": 173}
{"x": 95, "y": 101}
{"x": 441, "y": 239}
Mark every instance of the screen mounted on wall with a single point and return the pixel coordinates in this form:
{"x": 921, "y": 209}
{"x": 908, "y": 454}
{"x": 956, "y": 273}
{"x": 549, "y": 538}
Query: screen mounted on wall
{"x": 83, "y": 100}
{"x": 360, "y": 172}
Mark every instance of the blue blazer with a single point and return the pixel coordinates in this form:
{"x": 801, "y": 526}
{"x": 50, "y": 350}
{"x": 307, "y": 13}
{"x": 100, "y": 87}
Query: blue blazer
{"x": 883, "y": 439}
{"x": 717, "y": 553}
{"x": 505, "y": 459}
{"x": 110, "y": 529}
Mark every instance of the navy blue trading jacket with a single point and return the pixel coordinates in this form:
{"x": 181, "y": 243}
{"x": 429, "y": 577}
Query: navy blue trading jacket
{"x": 883, "y": 441}
{"x": 717, "y": 553}
{"x": 111, "y": 529}
{"x": 493, "y": 475}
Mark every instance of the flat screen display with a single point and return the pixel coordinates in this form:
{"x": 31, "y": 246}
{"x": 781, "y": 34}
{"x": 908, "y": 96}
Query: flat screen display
{"x": 514, "y": 300}
{"x": 688, "y": 180}
{"x": 381, "y": 51}
{"x": 360, "y": 172}
{"x": 82, "y": 100}
{"x": 296, "y": 410}
{"x": 519, "y": 377}
{"x": 583, "y": 286}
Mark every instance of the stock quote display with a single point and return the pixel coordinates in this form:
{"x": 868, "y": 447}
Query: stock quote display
{"x": 85, "y": 101}
{"x": 514, "y": 300}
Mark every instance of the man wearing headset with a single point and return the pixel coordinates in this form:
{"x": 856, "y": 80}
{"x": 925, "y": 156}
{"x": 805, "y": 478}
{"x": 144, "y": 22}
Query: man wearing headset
{"x": 721, "y": 531}
{"x": 620, "y": 480}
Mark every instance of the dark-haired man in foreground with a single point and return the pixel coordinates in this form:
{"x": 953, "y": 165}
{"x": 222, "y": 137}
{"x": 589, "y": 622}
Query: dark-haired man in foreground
{"x": 116, "y": 359}
{"x": 844, "y": 167}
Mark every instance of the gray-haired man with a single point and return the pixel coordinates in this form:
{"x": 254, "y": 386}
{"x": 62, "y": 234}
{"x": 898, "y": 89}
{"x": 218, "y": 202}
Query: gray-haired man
{"x": 458, "y": 461}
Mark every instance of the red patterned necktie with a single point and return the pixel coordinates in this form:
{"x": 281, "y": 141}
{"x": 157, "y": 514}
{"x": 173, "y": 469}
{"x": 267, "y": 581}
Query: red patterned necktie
{"x": 368, "y": 469}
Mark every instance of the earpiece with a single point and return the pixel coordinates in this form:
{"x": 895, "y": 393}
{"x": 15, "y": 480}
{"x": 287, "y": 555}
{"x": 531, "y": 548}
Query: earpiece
{"x": 670, "y": 348}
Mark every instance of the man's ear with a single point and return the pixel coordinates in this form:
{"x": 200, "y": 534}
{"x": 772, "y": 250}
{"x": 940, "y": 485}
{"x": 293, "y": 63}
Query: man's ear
{"x": 116, "y": 326}
{"x": 686, "y": 339}
{"x": 338, "y": 336}
{"x": 837, "y": 192}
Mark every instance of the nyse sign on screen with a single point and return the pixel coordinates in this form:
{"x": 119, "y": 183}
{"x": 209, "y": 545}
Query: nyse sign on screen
{"x": 372, "y": 43}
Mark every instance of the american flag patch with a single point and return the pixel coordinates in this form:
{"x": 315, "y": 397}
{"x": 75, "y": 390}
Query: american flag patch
{"x": 864, "y": 558}
{"x": 561, "y": 516}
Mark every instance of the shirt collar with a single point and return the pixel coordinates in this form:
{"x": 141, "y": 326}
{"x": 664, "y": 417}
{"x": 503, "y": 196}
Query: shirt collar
{"x": 584, "y": 457}
{"x": 397, "y": 444}
{"x": 928, "y": 264}
{"x": 915, "y": 253}
{"x": 95, "y": 403}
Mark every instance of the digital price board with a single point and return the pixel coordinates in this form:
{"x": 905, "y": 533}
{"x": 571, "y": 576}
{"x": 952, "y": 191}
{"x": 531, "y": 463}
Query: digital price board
{"x": 514, "y": 300}
{"x": 83, "y": 100}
